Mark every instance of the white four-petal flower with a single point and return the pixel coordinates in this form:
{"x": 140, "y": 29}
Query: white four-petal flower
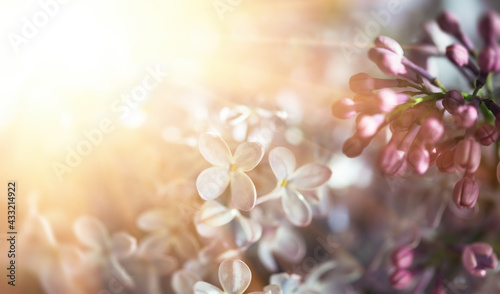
{"x": 291, "y": 180}
{"x": 228, "y": 169}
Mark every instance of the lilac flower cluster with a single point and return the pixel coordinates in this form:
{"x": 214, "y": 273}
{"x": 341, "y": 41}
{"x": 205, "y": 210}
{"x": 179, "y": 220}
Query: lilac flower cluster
{"x": 430, "y": 125}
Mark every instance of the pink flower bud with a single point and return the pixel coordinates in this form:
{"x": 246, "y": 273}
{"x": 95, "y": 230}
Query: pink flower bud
{"x": 452, "y": 100}
{"x": 468, "y": 155}
{"x": 489, "y": 27}
{"x": 487, "y": 134}
{"x": 400, "y": 279}
{"x": 344, "y": 108}
{"x": 446, "y": 161}
{"x": 354, "y": 146}
{"x": 368, "y": 125}
{"x": 402, "y": 257}
{"x": 465, "y": 116}
{"x": 391, "y": 160}
{"x": 432, "y": 131}
{"x": 466, "y": 192}
{"x": 448, "y": 22}
{"x": 364, "y": 84}
{"x": 389, "y": 44}
{"x": 479, "y": 257}
{"x": 418, "y": 158}
{"x": 489, "y": 59}
{"x": 457, "y": 54}
{"x": 386, "y": 100}
{"x": 389, "y": 62}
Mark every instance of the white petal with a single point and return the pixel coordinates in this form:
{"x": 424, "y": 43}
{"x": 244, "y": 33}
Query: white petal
{"x": 246, "y": 231}
{"x": 289, "y": 245}
{"x": 310, "y": 176}
{"x": 248, "y": 155}
{"x": 152, "y": 220}
{"x": 123, "y": 244}
{"x": 282, "y": 162}
{"x": 234, "y": 276}
{"x": 203, "y": 229}
{"x": 243, "y": 193}
{"x": 183, "y": 281}
{"x": 212, "y": 182}
{"x": 296, "y": 208}
{"x": 214, "y": 214}
{"x": 164, "y": 264}
{"x": 206, "y": 288}
{"x": 153, "y": 245}
{"x": 215, "y": 150}
{"x": 266, "y": 256}
{"x": 91, "y": 232}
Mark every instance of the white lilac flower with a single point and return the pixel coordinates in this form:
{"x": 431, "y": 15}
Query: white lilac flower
{"x": 216, "y": 221}
{"x": 161, "y": 224}
{"x": 278, "y": 239}
{"x": 291, "y": 181}
{"x": 149, "y": 264}
{"x": 57, "y": 266}
{"x": 106, "y": 249}
{"x": 204, "y": 267}
{"x": 234, "y": 276}
{"x": 228, "y": 169}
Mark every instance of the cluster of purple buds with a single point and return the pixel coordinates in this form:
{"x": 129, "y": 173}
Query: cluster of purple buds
{"x": 401, "y": 259}
{"x": 416, "y": 107}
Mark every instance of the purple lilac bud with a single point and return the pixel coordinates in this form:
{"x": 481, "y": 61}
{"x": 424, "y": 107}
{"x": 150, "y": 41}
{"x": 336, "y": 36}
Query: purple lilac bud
{"x": 453, "y": 100}
{"x": 465, "y": 116}
{"x": 389, "y": 44}
{"x": 446, "y": 162}
{"x": 344, "y": 108}
{"x": 418, "y": 158}
{"x": 449, "y": 23}
{"x": 400, "y": 279}
{"x": 391, "y": 160}
{"x": 402, "y": 257}
{"x": 432, "y": 131}
{"x": 468, "y": 155}
{"x": 386, "y": 100}
{"x": 489, "y": 27}
{"x": 389, "y": 62}
{"x": 354, "y": 146}
{"x": 466, "y": 192}
{"x": 487, "y": 134}
{"x": 479, "y": 257}
{"x": 368, "y": 125}
{"x": 458, "y": 54}
{"x": 489, "y": 59}
{"x": 364, "y": 84}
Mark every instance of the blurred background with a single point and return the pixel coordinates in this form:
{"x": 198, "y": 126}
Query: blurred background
{"x": 102, "y": 102}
